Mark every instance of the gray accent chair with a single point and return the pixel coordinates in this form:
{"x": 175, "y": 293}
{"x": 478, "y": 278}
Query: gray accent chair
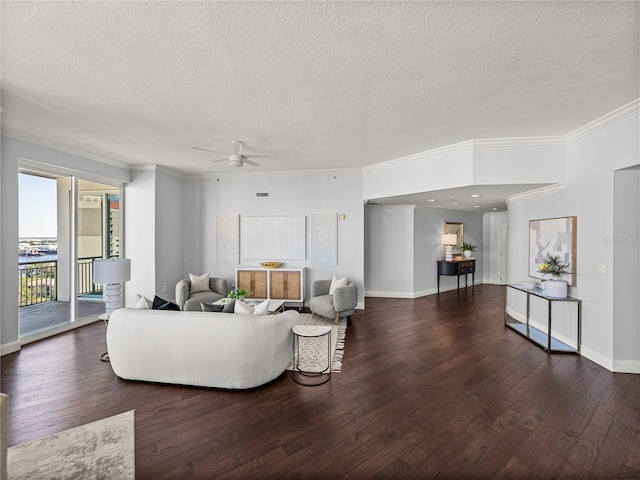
{"x": 339, "y": 305}
{"x": 190, "y": 302}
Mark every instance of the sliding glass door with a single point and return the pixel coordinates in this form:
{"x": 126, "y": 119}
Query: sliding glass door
{"x": 65, "y": 224}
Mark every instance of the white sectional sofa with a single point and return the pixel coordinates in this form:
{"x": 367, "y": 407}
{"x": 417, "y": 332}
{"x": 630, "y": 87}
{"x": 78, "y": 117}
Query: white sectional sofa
{"x": 224, "y": 350}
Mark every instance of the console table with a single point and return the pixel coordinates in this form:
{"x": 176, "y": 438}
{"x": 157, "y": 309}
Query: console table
{"x": 540, "y": 338}
{"x": 458, "y": 267}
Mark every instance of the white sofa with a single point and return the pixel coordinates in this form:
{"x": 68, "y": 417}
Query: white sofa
{"x": 224, "y": 350}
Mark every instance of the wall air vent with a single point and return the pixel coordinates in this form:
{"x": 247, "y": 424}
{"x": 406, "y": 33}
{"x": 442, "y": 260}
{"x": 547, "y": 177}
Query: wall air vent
{"x": 262, "y": 194}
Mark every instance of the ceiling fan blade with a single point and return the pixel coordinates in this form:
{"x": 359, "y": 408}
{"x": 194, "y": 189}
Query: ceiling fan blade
{"x": 250, "y": 162}
{"x": 256, "y": 155}
{"x": 206, "y": 150}
{"x": 237, "y": 147}
{"x": 225, "y": 159}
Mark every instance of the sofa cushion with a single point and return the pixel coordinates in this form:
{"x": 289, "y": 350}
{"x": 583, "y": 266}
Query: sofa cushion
{"x": 338, "y": 282}
{"x": 322, "y": 305}
{"x": 199, "y": 283}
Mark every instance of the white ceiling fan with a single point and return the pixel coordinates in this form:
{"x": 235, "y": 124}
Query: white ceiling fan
{"x": 237, "y": 159}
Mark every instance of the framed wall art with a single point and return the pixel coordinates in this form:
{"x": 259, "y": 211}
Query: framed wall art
{"x": 553, "y": 236}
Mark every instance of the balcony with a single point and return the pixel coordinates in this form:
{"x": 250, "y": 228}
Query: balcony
{"x": 40, "y": 308}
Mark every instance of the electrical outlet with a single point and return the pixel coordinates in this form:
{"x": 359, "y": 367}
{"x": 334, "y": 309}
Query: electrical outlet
{"x": 164, "y": 288}
{"x": 601, "y": 269}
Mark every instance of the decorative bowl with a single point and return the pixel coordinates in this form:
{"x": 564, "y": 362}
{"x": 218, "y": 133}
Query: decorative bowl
{"x": 270, "y": 264}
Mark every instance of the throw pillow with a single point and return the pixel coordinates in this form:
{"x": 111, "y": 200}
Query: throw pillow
{"x": 338, "y": 282}
{"x": 261, "y": 309}
{"x": 169, "y": 306}
{"x": 210, "y": 307}
{"x": 142, "y": 303}
{"x": 199, "y": 283}
{"x": 229, "y": 307}
{"x": 162, "y": 304}
{"x": 242, "y": 307}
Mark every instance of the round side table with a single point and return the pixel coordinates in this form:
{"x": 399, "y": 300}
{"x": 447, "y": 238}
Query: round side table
{"x": 310, "y": 331}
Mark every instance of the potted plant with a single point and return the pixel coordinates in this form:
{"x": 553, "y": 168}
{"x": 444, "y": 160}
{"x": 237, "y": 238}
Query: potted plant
{"x": 555, "y": 286}
{"x": 236, "y": 294}
{"x": 467, "y": 248}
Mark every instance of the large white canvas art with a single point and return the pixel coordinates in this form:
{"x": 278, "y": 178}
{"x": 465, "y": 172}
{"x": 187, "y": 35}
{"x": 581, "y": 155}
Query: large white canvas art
{"x": 227, "y": 239}
{"x": 274, "y": 238}
{"x": 553, "y": 236}
{"x": 324, "y": 238}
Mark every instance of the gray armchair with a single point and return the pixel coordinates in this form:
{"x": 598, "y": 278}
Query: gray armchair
{"x": 339, "y": 305}
{"x": 191, "y": 301}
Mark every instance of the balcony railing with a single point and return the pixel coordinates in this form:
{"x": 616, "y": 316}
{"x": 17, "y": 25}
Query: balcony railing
{"x": 38, "y": 281}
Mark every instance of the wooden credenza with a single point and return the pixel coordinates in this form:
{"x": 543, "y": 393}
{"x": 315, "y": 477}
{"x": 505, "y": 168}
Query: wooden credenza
{"x": 278, "y": 283}
{"x": 458, "y": 267}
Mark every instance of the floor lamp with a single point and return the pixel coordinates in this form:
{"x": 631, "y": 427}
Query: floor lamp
{"x": 111, "y": 273}
{"x": 448, "y": 240}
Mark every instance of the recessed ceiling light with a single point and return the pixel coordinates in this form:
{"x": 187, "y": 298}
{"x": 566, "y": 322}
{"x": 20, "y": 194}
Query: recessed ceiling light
{"x": 476, "y": 206}
{"x": 455, "y": 203}
{"x": 431, "y": 200}
{"x": 475, "y": 195}
{"x": 494, "y": 208}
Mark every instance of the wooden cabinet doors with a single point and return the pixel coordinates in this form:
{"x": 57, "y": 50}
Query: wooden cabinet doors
{"x": 254, "y": 281}
{"x": 285, "y": 285}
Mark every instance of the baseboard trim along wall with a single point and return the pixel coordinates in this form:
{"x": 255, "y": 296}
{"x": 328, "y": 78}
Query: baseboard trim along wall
{"x": 11, "y": 347}
{"x": 418, "y": 294}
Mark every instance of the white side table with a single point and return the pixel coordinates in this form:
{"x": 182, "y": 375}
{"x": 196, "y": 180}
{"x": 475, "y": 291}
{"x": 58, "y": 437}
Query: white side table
{"x": 310, "y": 331}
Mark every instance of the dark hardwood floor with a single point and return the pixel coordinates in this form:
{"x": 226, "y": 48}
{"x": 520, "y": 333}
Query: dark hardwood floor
{"x": 435, "y": 387}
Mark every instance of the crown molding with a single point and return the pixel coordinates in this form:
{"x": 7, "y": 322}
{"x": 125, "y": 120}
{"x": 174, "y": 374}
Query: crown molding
{"x": 420, "y": 156}
{"x": 284, "y": 173}
{"x": 519, "y": 141}
{"x": 157, "y": 168}
{"x": 25, "y": 137}
{"x": 538, "y": 192}
{"x": 607, "y": 119}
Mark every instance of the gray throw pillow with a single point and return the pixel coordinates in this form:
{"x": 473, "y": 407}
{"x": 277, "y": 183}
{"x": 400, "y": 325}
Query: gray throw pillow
{"x": 209, "y": 307}
{"x": 229, "y": 307}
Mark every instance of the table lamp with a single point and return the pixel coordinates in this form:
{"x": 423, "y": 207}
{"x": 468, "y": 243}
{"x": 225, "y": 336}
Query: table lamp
{"x": 448, "y": 240}
{"x": 111, "y": 273}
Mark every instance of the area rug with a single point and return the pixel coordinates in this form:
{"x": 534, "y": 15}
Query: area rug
{"x": 313, "y": 351}
{"x": 100, "y": 450}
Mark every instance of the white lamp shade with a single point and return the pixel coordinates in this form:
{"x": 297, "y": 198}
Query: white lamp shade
{"x": 111, "y": 270}
{"x": 449, "y": 239}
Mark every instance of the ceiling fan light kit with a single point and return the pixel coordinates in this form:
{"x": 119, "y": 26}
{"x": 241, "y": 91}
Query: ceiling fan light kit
{"x": 236, "y": 159}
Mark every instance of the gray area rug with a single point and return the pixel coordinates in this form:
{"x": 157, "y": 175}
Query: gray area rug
{"x": 313, "y": 351}
{"x": 100, "y": 450}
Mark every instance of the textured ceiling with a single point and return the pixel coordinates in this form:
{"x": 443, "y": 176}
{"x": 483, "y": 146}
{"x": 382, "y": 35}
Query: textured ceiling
{"x": 324, "y": 85}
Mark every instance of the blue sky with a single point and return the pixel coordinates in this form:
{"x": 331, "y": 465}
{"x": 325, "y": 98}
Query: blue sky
{"x": 38, "y": 205}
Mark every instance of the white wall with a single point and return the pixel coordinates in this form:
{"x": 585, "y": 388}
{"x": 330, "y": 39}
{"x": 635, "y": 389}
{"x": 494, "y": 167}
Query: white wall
{"x": 589, "y": 194}
{"x": 13, "y": 151}
{"x": 626, "y": 265}
{"x": 169, "y": 233}
{"x": 402, "y": 247}
{"x": 140, "y": 218}
{"x": 491, "y": 258}
{"x": 389, "y": 250}
{"x": 289, "y": 194}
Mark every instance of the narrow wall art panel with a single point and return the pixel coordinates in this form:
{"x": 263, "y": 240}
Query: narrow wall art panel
{"x": 227, "y": 239}
{"x": 553, "y": 236}
{"x": 274, "y": 238}
{"x": 324, "y": 238}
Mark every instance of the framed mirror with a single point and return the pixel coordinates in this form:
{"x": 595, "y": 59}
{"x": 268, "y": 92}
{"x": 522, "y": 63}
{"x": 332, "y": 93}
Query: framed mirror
{"x": 457, "y": 228}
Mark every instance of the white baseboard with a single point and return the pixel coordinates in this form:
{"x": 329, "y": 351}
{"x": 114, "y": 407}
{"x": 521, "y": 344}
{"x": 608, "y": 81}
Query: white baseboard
{"x": 626, "y": 366}
{"x": 11, "y": 347}
{"x": 417, "y": 294}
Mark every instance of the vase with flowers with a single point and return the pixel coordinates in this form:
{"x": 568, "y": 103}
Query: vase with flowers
{"x": 554, "y": 287}
{"x": 467, "y": 249}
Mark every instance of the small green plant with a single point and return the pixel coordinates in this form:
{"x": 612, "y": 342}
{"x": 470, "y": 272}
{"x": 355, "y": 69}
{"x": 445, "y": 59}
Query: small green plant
{"x": 237, "y": 293}
{"x": 553, "y": 265}
{"x": 468, "y": 246}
